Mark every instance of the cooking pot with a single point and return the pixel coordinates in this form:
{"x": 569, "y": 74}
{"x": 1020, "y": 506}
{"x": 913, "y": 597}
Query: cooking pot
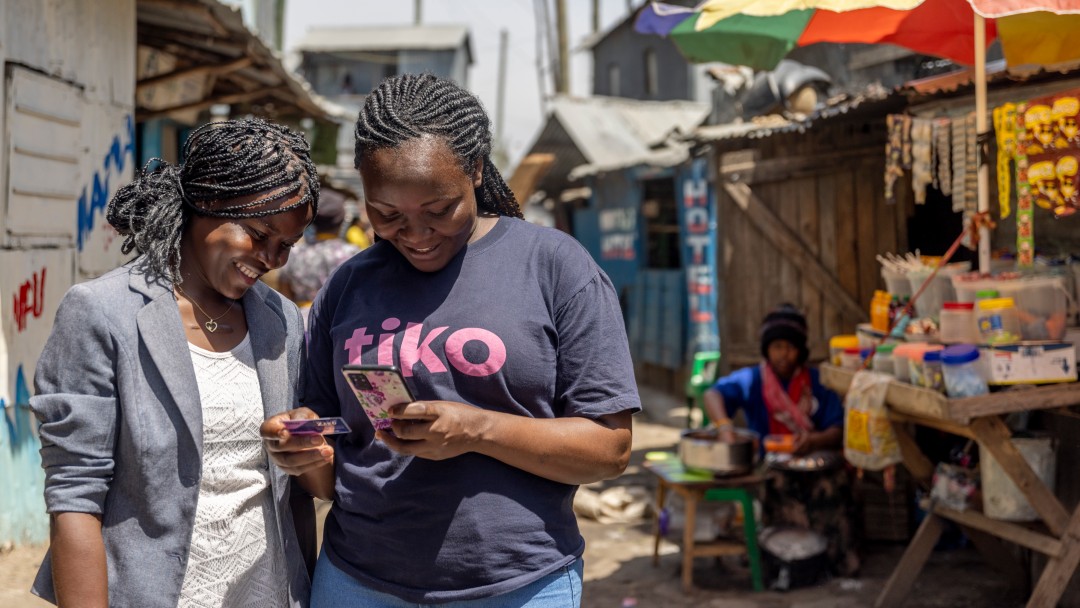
{"x": 704, "y": 449}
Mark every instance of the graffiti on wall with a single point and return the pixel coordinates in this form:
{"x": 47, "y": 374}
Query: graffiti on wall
{"x": 95, "y": 197}
{"x": 29, "y": 299}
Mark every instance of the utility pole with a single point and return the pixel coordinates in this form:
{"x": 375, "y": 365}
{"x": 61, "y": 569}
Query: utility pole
{"x": 418, "y": 11}
{"x": 500, "y": 100}
{"x": 563, "y": 82}
{"x": 596, "y": 16}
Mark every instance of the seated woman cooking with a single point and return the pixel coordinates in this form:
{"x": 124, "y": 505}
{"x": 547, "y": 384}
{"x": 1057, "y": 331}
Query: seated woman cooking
{"x": 782, "y": 396}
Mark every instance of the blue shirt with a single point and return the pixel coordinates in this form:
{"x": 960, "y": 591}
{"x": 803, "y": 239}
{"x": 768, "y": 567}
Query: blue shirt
{"x": 522, "y": 321}
{"x": 742, "y": 391}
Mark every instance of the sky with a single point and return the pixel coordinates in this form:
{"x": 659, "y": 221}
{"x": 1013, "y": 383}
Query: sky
{"x": 484, "y": 18}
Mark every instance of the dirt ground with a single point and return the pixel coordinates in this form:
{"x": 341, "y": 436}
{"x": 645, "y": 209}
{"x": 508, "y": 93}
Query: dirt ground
{"x": 618, "y": 563}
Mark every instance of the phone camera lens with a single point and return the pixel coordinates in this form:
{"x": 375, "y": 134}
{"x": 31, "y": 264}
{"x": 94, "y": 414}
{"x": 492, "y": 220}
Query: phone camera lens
{"x": 360, "y": 382}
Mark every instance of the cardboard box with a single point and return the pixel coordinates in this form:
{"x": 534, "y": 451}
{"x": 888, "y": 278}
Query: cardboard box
{"x": 1029, "y": 363}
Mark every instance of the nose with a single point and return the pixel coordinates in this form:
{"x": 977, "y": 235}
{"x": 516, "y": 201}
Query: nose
{"x": 273, "y": 255}
{"x": 414, "y": 231}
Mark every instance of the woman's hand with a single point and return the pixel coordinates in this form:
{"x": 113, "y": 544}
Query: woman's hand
{"x": 435, "y": 430}
{"x": 572, "y": 449}
{"x": 305, "y": 456}
{"x": 295, "y": 454}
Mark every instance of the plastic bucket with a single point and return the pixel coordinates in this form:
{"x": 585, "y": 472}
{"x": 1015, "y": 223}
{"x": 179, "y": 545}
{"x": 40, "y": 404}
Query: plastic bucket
{"x": 896, "y": 283}
{"x": 1001, "y": 498}
{"x": 939, "y": 291}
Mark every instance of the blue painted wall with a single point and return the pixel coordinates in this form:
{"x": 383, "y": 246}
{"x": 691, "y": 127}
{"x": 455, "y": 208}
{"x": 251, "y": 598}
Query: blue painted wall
{"x": 22, "y": 499}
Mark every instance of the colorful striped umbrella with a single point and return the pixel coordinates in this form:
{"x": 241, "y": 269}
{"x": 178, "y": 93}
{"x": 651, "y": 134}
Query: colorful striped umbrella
{"x": 759, "y": 33}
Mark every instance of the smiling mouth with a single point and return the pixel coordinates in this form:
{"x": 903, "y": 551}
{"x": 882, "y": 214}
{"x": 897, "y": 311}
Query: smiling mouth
{"x": 247, "y": 271}
{"x": 421, "y": 251}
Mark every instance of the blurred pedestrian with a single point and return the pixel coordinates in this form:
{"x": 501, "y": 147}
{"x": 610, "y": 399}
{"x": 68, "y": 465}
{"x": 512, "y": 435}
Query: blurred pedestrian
{"x": 312, "y": 263}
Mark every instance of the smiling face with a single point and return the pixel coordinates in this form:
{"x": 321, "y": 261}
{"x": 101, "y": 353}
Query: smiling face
{"x": 421, "y": 201}
{"x": 229, "y": 255}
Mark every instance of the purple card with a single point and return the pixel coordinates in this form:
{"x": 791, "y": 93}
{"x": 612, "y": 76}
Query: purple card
{"x": 317, "y": 426}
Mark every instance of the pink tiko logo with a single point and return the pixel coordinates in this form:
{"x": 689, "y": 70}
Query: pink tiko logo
{"x": 416, "y": 348}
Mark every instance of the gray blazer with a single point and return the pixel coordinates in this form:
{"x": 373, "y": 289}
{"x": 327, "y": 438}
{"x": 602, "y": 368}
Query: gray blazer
{"x": 121, "y": 428}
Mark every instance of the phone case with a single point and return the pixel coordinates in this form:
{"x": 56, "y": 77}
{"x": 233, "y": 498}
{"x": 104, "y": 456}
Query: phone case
{"x": 376, "y": 389}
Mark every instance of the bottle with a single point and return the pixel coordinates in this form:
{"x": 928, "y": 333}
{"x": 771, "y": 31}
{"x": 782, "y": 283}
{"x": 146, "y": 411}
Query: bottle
{"x": 879, "y": 310}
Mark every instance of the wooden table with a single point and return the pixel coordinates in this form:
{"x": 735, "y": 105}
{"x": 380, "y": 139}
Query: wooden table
{"x": 694, "y": 487}
{"x": 980, "y": 418}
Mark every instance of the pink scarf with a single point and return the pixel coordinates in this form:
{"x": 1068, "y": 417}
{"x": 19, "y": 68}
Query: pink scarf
{"x": 789, "y": 410}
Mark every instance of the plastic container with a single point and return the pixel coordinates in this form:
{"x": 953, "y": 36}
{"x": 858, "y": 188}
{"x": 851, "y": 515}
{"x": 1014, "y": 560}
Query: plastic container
{"x": 916, "y": 362}
{"x": 998, "y": 321}
{"x": 963, "y": 378}
{"x": 837, "y": 344}
{"x": 1001, "y": 498}
{"x": 1042, "y": 306}
{"x": 1041, "y": 301}
{"x": 957, "y": 324}
{"x": 933, "y": 376}
{"x": 883, "y": 359}
{"x": 939, "y": 291}
{"x": 896, "y": 283}
{"x": 868, "y": 337}
{"x": 851, "y": 359}
{"x": 902, "y": 356}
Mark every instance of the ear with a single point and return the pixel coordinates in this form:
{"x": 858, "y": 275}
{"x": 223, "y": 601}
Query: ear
{"x": 478, "y": 173}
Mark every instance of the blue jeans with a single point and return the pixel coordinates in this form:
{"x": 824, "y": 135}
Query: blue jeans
{"x": 333, "y": 588}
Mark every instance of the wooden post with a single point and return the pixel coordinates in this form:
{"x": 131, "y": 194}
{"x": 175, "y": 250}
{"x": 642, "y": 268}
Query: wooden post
{"x": 563, "y": 82}
{"x": 905, "y": 573}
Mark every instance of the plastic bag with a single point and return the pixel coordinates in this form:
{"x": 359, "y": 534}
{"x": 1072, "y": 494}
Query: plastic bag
{"x": 869, "y": 440}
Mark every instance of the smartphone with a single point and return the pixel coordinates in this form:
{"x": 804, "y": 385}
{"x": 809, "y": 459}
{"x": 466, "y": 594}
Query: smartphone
{"x": 317, "y": 426}
{"x": 377, "y": 388}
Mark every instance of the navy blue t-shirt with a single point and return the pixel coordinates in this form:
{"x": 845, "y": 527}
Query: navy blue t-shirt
{"x": 522, "y": 321}
{"x": 741, "y": 389}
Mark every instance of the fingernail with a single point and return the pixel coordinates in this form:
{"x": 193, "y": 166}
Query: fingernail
{"x": 313, "y": 440}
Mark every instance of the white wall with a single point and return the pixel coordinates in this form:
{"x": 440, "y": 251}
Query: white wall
{"x": 66, "y": 119}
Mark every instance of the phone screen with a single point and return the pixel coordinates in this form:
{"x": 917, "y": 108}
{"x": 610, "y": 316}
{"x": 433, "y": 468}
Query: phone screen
{"x": 377, "y": 388}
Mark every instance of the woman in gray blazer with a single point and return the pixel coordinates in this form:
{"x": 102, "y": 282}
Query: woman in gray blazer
{"x": 156, "y": 376}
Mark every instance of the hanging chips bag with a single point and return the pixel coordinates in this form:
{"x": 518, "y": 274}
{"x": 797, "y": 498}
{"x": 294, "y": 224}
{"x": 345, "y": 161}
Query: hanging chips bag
{"x": 869, "y": 440}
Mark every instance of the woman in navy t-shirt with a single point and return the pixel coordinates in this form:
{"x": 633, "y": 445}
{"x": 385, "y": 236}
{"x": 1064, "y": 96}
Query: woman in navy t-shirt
{"x": 511, "y": 338}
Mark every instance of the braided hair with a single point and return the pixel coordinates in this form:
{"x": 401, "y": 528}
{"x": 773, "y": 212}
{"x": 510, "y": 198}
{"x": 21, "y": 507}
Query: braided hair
{"x": 411, "y": 105}
{"x": 223, "y": 161}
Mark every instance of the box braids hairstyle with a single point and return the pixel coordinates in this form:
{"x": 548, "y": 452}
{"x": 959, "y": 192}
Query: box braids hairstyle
{"x": 410, "y": 105}
{"x": 223, "y": 161}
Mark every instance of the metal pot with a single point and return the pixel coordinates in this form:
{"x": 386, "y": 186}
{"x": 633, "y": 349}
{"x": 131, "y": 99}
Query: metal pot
{"x": 704, "y": 449}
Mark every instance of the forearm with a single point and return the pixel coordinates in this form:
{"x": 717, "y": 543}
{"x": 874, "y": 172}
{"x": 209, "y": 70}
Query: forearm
{"x": 714, "y": 407}
{"x": 319, "y": 482}
{"x": 829, "y": 439}
{"x": 571, "y": 450}
{"x": 80, "y": 575}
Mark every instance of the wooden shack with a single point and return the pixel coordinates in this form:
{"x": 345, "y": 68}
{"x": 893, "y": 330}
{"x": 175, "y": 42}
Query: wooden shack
{"x": 801, "y": 216}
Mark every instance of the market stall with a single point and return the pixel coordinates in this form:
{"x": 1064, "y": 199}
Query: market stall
{"x": 980, "y": 419}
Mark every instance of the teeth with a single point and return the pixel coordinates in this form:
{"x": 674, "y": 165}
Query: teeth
{"x": 247, "y": 272}
{"x": 423, "y": 250}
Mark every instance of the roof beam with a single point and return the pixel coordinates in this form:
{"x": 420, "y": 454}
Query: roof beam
{"x": 199, "y": 70}
{"x": 206, "y": 103}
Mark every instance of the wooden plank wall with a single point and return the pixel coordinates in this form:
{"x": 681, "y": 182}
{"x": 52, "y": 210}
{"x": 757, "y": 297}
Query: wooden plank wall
{"x": 833, "y": 199}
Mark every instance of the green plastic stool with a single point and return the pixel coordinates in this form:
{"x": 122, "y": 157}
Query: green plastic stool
{"x": 741, "y": 496}
{"x": 702, "y": 376}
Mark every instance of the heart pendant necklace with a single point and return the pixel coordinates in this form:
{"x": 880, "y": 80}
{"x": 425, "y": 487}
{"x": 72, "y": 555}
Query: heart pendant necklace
{"x": 211, "y": 324}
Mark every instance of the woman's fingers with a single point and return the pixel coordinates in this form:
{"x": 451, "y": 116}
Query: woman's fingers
{"x": 302, "y": 461}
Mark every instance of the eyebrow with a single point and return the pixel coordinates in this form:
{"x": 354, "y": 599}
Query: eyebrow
{"x": 441, "y": 199}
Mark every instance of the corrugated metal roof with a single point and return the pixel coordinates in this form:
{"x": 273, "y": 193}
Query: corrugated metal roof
{"x": 766, "y": 126}
{"x": 384, "y": 38}
{"x": 614, "y": 133}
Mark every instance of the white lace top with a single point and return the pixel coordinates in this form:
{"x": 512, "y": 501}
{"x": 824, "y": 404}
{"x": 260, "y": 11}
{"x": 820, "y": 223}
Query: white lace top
{"x": 236, "y": 556}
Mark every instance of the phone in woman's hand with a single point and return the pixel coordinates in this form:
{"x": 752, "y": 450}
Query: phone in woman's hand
{"x": 377, "y": 388}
